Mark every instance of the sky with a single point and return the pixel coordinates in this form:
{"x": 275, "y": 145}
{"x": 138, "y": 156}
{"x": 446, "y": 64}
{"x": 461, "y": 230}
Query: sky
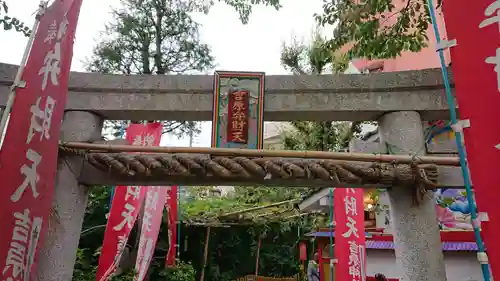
{"x": 261, "y": 39}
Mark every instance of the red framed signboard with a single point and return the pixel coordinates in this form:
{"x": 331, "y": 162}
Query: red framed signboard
{"x": 476, "y": 71}
{"x": 238, "y": 112}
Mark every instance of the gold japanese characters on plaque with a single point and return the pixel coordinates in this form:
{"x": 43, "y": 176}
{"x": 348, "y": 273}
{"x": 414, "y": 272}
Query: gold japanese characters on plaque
{"x": 237, "y": 129}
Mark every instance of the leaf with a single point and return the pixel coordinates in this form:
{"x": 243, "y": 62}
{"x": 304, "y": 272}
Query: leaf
{"x": 439, "y": 3}
{"x": 365, "y": 25}
{"x": 12, "y": 23}
{"x": 7, "y": 26}
{"x": 5, "y": 7}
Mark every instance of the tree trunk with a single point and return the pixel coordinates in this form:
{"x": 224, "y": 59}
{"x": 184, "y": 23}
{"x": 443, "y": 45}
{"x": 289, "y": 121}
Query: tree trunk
{"x": 325, "y": 130}
{"x": 205, "y": 254}
{"x": 158, "y": 38}
{"x": 146, "y": 66}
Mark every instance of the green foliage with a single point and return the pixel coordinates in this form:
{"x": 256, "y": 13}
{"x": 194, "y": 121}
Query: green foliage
{"x": 183, "y": 271}
{"x": 95, "y": 221}
{"x": 9, "y": 22}
{"x": 319, "y": 136}
{"x": 202, "y": 209}
{"x": 208, "y": 210}
{"x": 301, "y": 59}
{"x": 244, "y": 7}
{"x": 232, "y": 250}
{"x": 376, "y": 29}
{"x": 116, "y": 128}
{"x": 260, "y": 195}
{"x": 84, "y": 270}
{"x": 128, "y": 276}
{"x": 151, "y": 37}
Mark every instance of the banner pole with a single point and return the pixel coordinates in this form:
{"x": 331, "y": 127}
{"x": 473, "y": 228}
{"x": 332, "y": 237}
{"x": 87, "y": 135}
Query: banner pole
{"x": 17, "y": 80}
{"x": 179, "y": 221}
{"x": 122, "y": 135}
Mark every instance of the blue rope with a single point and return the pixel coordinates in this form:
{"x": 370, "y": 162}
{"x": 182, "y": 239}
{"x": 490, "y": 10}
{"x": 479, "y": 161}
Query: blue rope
{"x": 111, "y": 197}
{"x": 458, "y": 139}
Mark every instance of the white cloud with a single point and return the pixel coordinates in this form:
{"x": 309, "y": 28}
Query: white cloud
{"x": 252, "y": 47}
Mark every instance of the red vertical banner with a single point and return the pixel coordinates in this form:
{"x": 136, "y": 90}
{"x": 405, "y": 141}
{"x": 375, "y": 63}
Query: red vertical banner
{"x": 151, "y": 223}
{"x": 126, "y": 206}
{"x": 127, "y": 202}
{"x": 145, "y": 134}
{"x": 172, "y": 211}
{"x": 302, "y": 251}
{"x": 237, "y": 129}
{"x": 476, "y": 74}
{"x": 350, "y": 246}
{"x": 28, "y": 158}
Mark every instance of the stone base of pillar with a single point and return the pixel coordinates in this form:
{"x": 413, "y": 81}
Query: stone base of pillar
{"x": 57, "y": 256}
{"x": 416, "y": 232}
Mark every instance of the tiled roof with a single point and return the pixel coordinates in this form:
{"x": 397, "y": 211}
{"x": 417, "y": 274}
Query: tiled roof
{"x": 381, "y": 245}
{"x": 328, "y": 234}
{"x": 447, "y": 246}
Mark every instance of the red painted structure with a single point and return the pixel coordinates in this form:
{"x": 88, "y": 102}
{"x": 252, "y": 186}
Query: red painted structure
{"x": 476, "y": 69}
{"x": 321, "y": 242}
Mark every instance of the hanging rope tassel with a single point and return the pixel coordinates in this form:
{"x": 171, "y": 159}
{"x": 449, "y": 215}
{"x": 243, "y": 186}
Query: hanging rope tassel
{"x": 482, "y": 257}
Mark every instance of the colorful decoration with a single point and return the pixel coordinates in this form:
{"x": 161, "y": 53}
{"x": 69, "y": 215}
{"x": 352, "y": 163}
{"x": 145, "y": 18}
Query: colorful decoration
{"x": 437, "y": 129}
{"x": 453, "y": 209}
{"x": 238, "y": 110}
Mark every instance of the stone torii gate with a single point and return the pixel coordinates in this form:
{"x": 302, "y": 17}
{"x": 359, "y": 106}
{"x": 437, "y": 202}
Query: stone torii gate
{"x": 398, "y": 101}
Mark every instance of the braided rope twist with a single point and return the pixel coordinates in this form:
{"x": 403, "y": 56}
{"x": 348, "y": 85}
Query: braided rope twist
{"x": 334, "y": 172}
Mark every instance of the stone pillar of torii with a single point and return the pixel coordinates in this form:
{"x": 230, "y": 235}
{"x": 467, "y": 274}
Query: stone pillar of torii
{"x": 57, "y": 257}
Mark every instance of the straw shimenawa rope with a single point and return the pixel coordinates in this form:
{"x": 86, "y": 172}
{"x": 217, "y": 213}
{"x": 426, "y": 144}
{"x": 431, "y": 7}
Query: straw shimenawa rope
{"x": 200, "y": 167}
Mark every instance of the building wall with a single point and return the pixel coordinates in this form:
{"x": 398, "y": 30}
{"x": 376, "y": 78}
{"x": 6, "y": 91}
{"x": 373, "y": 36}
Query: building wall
{"x": 426, "y": 58}
{"x": 272, "y": 129}
{"x": 460, "y": 266}
{"x": 216, "y": 191}
{"x": 274, "y": 143}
